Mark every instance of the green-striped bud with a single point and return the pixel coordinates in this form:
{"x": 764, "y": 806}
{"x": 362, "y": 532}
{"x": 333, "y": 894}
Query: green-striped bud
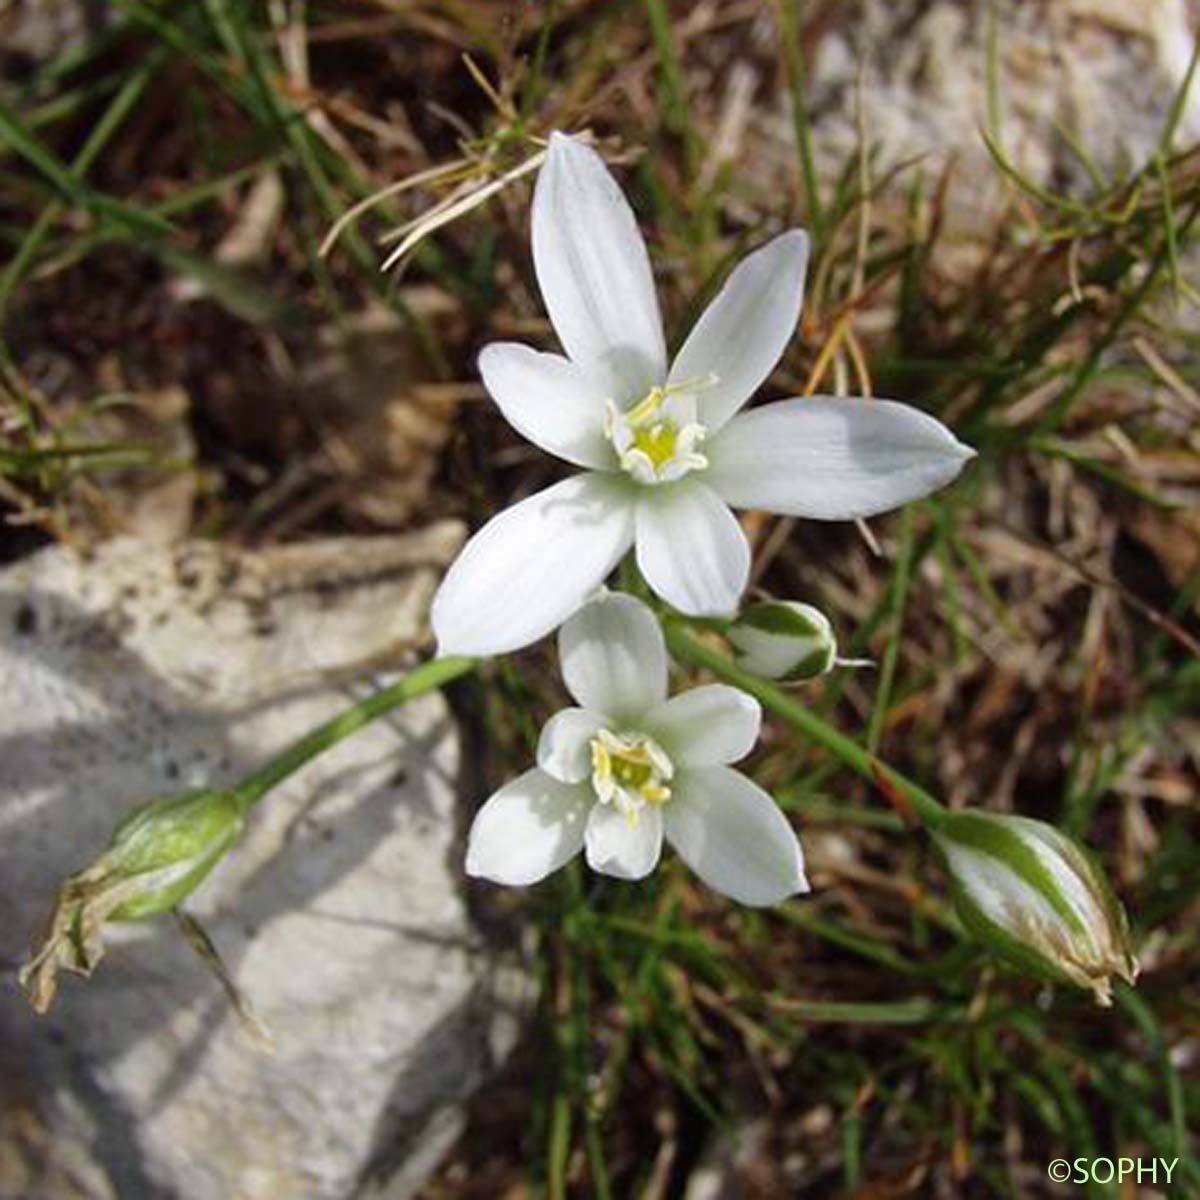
{"x": 158, "y": 856}
{"x": 1034, "y": 896}
{"x": 785, "y": 640}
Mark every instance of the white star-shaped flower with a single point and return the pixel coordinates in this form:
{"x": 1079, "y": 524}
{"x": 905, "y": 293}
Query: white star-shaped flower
{"x": 629, "y": 767}
{"x": 665, "y": 451}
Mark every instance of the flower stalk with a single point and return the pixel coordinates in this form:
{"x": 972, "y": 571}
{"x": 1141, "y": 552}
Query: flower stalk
{"x": 164, "y": 850}
{"x": 689, "y": 649}
{"x": 1022, "y": 888}
{"x": 428, "y": 677}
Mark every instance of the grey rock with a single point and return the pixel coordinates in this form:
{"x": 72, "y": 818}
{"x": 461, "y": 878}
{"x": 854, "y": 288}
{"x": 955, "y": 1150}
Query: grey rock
{"x": 38, "y": 29}
{"x": 149, "y": 669}
{"x": 1105, "y": 71}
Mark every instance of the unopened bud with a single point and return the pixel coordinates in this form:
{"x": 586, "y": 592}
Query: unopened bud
{"x": 785, "y": 640}
{"x": 1034, "y": 896}
{"x": 158, "y": 856}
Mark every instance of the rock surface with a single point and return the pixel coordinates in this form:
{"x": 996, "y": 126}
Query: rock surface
{"x": 1103, "y": 74}
{"x": 1104, "y": 71}
{"x": 150, "y": 669}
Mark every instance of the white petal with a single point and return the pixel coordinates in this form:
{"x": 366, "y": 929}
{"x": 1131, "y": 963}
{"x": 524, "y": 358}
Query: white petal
{"x": 614, "y": 659}
{"x": 1003, "y": 897}
{"x": 1070, "y": 870}
{"x": 594, "y": 272}
{"x": 532, "y": 566}
{"x": 691, "y": 549}
{"x": 745, "y": 330}
{"x": 784, "y": 639}
{"x": 706, "y": 726}
{"x": 615, "y": 847}
{"x": 732, "y": 834}
{"x": 529, "y": 828}
{"x": 564, "y": 748}
{"x": 832, "y": 459}
{"x": 549, "y": 400}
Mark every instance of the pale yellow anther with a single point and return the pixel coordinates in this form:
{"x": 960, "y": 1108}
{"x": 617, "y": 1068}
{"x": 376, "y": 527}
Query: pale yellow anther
{"x": 651, "y": 443}
{"x": 646, "y": 409}
{"x": 630, "y": 771}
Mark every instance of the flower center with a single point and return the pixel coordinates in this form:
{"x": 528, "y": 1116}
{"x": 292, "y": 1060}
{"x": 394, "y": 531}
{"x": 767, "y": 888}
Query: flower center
{"x": 656, "y": 439}
{"x": 630, "y": 771}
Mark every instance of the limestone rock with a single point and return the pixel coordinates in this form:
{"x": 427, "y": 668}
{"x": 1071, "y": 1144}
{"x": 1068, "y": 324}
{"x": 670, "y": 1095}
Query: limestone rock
{"x": 1102, "y": 73}
{"x": 148, "y": 669}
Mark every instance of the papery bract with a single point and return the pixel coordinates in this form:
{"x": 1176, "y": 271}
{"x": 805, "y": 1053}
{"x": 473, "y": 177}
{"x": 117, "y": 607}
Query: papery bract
{"x": 159, "y": 855}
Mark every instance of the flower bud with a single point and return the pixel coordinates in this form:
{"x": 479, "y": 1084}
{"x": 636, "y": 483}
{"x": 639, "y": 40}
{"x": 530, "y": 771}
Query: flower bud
{"x": 783, "y": 639}
{"x": 158, "y": 856}
{"x": 1034, "y": 896}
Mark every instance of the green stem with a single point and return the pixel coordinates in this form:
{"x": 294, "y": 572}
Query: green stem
{"x": 891, "y": 655}
{"x": 916, "y": 1011}
{"x": 1087, "y": 371}
{"x": 426, "y": 678}
{"x": 793, "y": 57}
{"x": 70, "y": 178}
{"x": 687, "y": 649}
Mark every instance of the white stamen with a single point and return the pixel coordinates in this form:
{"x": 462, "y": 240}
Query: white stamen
{"x": 630, "y": 771}
{"x": 654, "y": 441}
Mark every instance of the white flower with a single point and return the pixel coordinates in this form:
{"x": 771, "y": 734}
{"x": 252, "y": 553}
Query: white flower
{"x": 1033, "y": 895}
{"x": 665, "y": 451}
{"x": 629, "y": 767}
{"x": 784, "y": 639}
